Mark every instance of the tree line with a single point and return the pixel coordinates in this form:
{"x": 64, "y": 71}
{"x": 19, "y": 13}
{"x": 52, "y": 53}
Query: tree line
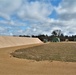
{"x": 55, "y": 33}
{"x": 43, "y": 37}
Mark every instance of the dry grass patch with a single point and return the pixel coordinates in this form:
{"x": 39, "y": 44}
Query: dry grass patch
{"x": 51, "y": 51}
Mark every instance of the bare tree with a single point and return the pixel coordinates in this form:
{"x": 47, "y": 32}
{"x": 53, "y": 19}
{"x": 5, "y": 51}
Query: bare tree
{"x": 56, "y": 33}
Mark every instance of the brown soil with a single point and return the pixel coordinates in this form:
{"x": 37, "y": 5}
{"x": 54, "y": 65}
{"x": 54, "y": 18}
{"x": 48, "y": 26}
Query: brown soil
{"x": 14, "y": 66}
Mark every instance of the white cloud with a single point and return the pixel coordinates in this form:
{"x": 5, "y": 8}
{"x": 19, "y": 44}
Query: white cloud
{"x": 34, "y": 16}
{"x": 4, "y": 15}
{"x": 67, "y": 16}
{"x": 3, "y": 30}
{"x": 67, "y": 6}
{"x": 35, "y": 11}
{"x": 67, "y": 9}
{"x": 8, "y": 7}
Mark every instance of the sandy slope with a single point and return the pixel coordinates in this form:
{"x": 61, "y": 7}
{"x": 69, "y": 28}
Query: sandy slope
{"x": 9, "y": 41}
{"x": 15, "y": 66}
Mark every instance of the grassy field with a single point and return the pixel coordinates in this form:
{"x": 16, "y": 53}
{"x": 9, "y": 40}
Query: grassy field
{"x": 50, "y": 51}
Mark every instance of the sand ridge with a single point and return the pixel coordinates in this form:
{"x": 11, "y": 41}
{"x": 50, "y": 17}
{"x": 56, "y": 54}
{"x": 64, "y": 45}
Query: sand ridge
{"x": 10, "y": 41}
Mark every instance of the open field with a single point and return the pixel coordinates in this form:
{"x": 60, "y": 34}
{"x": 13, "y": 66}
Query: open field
{"x": 15, "y": 66}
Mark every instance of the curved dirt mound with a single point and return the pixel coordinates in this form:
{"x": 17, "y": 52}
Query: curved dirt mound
{"x": 10, "y": 41}
{"x": 51, "y": 51}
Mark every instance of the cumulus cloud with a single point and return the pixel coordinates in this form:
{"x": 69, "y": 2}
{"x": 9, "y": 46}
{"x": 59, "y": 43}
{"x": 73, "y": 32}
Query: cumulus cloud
{"x": 33, "y": 16}
{"x": 67, "y": 9}
{"x": 67, "y": 15}
{"x": 35, "y": 11}
{"x": 8, "y": 7}
{"x": 3, "y": 30}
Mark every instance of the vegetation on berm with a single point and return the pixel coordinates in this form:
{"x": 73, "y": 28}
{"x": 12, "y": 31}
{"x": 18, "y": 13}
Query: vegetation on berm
{"x": 51, "y": 51}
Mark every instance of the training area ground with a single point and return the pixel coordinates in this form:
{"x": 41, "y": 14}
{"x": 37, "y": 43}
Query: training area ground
{"x": 15, "y": 66}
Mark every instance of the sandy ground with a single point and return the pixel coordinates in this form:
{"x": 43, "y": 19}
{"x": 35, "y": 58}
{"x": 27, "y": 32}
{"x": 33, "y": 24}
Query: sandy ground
{"x": 14, "y": 66}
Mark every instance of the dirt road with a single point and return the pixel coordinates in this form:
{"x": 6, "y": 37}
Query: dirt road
{"x": 14, "y": 66}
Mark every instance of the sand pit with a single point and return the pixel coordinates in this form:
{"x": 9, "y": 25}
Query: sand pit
{"x": 10, "y": 41}
{"x": 14, "y": 66}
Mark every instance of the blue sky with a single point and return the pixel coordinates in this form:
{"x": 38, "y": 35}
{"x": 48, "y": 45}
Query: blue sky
{"x": 34, "y": 17}
{"x": 55, "y": 2}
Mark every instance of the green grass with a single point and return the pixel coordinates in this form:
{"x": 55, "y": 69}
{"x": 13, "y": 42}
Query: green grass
{"x": 51, "y": 51}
